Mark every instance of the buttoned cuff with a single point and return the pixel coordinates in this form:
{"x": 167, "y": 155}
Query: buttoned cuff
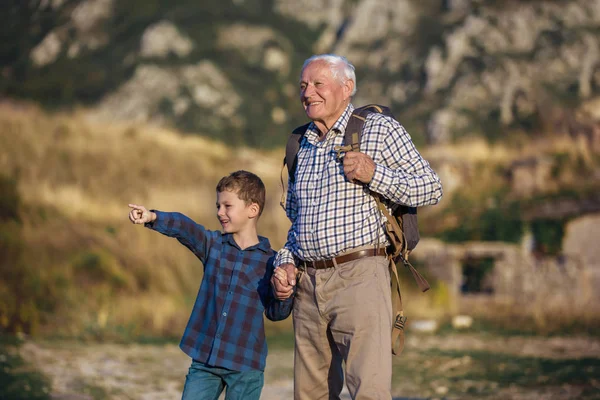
{"x": 284, "y": 256}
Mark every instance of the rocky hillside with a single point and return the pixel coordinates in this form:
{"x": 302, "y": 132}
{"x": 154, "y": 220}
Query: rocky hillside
{"x": 228, "y": 68}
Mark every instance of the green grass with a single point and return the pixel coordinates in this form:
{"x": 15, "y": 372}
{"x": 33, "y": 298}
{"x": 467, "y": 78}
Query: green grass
{"x": 19, "y": 380}
{"x": 281, "y": 340}
{"x": 480, "y": 374}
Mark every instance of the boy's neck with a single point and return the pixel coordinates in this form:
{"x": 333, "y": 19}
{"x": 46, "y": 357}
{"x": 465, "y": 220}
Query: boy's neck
{"x": 246, "y": 238}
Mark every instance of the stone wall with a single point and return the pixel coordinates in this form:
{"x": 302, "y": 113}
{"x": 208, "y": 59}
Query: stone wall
{"x": 527, "y": 284}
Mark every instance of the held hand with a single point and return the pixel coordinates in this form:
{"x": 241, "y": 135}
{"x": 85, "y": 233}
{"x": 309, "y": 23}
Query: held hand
{"x": 139, "y": 214}
{"x": 281, "y": 275}
{"x": 358, "y": 167}
{"x": 290, "y": 272}
{"x": 283, "y": 281}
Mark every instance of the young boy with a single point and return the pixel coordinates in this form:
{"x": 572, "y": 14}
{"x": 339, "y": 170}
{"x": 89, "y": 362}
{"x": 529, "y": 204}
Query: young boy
{"x": 225, "y": 334}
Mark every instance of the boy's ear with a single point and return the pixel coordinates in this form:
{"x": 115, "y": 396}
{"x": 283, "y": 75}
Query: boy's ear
{"x": 254, "y": 210}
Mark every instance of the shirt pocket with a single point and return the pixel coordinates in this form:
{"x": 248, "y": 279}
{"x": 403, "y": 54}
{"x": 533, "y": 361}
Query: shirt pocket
{"x": 251, "y": 280}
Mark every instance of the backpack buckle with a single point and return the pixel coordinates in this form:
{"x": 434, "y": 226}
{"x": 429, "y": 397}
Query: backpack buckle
{"x": 341, "y": 150}
{"x": 400, "y": 322}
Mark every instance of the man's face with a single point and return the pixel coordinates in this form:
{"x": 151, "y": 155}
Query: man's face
{"x": 323, "y": 97}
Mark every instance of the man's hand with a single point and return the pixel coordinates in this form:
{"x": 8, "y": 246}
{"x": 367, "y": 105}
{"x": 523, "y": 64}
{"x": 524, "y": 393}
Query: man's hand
{"x": 139, "y": 214}
{"x": 282, "y": 287}
{"x": 358, "y": 167}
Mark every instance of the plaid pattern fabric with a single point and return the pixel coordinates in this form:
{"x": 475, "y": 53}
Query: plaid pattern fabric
{"x": 226, "y": 328}
{"x": 330, "y": 214}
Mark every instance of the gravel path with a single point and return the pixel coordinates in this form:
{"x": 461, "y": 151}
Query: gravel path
{"x": 152, "y": 372}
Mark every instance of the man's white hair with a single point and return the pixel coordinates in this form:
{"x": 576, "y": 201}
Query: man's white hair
{"x": 341, "y": 68}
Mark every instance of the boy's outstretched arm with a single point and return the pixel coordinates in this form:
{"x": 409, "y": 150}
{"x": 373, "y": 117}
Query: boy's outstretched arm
{"x": 175, "y": 225}
{"x": 140, "y": 215}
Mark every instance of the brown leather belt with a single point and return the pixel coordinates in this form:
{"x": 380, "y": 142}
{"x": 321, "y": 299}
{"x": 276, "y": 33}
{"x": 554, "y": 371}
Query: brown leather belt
{"x": 322, "y": 264}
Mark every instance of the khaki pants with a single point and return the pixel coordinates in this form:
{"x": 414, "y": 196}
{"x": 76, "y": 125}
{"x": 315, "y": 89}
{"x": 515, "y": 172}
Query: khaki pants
{"x": 344, "y": 313}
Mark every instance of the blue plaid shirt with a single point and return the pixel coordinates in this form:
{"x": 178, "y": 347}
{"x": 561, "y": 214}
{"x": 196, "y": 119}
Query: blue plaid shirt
{"x": 330, "y": 214}
{"x": 226, "y": 328}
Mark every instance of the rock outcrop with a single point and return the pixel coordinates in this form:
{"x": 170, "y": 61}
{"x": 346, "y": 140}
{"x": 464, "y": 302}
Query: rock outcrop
{"x": 448, "y": 69}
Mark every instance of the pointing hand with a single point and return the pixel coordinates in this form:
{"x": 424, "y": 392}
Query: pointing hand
{"x": 139, "y": 214}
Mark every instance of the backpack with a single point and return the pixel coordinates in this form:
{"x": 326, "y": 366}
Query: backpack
{"x": 401, "y": 226}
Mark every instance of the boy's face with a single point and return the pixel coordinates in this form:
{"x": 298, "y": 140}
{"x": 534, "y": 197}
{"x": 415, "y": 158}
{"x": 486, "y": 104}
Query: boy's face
{"x": 233, "y": 213}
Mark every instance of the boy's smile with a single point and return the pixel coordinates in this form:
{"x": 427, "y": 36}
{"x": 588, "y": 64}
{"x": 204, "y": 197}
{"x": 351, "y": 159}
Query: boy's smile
{"x": 233, "y": 213}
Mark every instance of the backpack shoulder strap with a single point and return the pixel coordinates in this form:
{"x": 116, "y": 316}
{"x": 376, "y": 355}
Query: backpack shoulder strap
{"x": 291, "y": 159}
{"x": 357, "y": 120}
{"x": 291, "y": 150}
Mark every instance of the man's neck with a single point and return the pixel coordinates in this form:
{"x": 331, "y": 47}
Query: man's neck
{"x": 325, "y": 126}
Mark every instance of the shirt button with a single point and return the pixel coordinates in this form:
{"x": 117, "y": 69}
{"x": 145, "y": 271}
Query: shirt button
{"x": 224, "y": 314}
{"x": 218, "y": 335}
{"x": 230, "y": 292}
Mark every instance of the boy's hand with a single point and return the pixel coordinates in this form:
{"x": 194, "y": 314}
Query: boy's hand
{"x": 139, "y": 214}
{"x": 280, "y": 274}
{"x": 284, "y": 280}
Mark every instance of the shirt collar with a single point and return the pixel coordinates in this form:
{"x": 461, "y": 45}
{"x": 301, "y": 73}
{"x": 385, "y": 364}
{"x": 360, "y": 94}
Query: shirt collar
{"x": 339, "y": 127}
{"x": 340, "y": 124}
{"x": 263, "y": 243}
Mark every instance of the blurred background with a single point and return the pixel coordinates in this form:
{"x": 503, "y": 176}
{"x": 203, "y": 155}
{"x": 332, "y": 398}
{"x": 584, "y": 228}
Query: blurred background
{"x": 105, "y": 102}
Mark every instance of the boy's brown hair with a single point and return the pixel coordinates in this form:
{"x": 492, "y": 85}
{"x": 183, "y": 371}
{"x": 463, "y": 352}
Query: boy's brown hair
{"x": 248, "y": 187}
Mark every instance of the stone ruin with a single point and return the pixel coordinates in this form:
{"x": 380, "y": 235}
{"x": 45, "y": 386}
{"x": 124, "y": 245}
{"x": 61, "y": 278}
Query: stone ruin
{"x": 515, "y": 277}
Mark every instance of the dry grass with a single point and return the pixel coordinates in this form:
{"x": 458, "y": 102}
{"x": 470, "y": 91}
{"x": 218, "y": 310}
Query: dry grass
{"x": 76, "y": 177}
{"x": 106, "y": 276}
{"x": 92, "y": 171}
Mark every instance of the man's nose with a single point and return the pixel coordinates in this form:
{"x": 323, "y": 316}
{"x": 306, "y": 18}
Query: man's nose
{"x": 308, "y": 91}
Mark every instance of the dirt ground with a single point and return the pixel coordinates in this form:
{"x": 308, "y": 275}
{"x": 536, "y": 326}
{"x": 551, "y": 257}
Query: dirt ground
{"x": 453, "y": 366}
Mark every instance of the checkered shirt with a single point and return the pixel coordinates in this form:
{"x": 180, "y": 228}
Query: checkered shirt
{"x": 329, "y": 214}
{"x": 226, "y": 328}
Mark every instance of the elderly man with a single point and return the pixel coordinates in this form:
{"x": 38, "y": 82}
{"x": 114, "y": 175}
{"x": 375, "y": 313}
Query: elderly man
{"x": 342, "y": 309}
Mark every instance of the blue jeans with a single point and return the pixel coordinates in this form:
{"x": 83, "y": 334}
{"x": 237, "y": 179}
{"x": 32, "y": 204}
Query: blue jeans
{"x": 206, "y": 383}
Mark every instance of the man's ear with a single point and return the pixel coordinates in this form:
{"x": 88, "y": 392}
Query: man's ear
{"x": 348, "y": 87}
{"x": 254, "y": 210}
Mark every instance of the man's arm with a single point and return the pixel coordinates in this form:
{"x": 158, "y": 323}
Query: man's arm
{"x": 285, "y": 260}
{"x": 392, "y": 166}
{"x": 291, "y": 203}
